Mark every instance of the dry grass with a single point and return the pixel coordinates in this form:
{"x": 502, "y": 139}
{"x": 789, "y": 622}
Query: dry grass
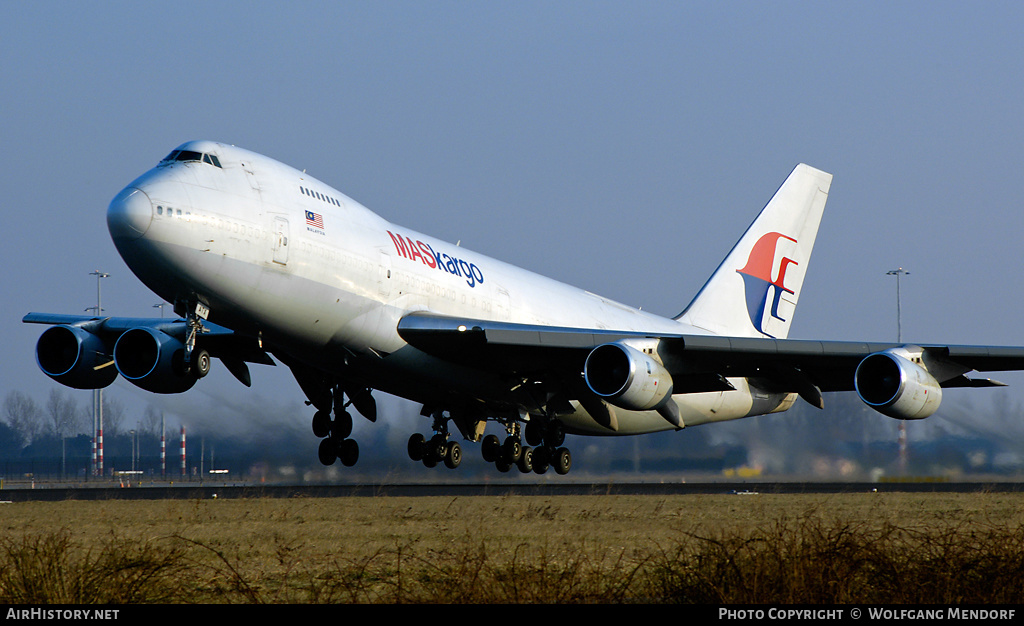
{"x": 881, "y": 548}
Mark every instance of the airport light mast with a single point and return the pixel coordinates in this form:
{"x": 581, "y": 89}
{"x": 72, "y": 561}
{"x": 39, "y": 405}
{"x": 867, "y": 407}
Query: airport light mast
{"x": 97, "y": 394}
{"x": 163, "y": 422}
{"x": 902, "y": 437}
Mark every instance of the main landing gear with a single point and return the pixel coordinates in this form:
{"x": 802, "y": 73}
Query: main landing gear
{"x": 543, "y": 453}
{"x": 437, "y": 449}
{"x": 327, "y": 394}
{"x": 335, "y": 444}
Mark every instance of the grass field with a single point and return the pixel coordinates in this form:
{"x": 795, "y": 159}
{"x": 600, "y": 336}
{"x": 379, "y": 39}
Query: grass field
{"x": 871, "y": 547}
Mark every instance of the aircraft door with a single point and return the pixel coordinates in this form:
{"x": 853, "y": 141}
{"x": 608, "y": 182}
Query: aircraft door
{"x": 281, "y": 240}
{"x": 250, "y": 176}
{"x": 384, "y": 276}
{"x": 503, "y": 304}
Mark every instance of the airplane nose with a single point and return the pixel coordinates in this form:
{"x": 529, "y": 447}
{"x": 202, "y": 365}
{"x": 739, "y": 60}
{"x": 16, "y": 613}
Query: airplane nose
{"x": 130, "y": 214}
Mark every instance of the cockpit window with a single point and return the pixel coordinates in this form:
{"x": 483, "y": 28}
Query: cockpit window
{"x": 191, "y": 155}
{"x": 188, "y": 155}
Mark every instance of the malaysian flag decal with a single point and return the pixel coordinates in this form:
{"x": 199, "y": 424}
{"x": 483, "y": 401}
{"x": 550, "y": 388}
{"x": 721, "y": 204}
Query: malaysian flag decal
{"x": 315, "y": 220}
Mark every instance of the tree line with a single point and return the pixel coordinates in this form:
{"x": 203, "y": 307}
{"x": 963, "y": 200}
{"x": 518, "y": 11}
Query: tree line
{"x": 26, "y": 421}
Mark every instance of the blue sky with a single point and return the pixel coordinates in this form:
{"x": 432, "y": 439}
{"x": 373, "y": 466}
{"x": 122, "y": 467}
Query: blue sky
{"x": 620, "y": 147}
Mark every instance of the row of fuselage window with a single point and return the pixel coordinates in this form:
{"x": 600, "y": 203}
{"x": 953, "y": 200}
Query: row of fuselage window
{"x": 222, "y": 224}
{"x": 319, "y": 196}
{"x": 170, "y": 211}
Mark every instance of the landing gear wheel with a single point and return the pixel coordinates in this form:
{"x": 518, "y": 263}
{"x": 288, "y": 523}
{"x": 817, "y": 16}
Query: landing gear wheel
{"x": 417, "y": 446}
{"x": 534, "y": 433}
{"x": 563, "y": 461}
{"x": 348, "y": 452}
{"x": 200, "y": 363}
{"x": 525, "y": 462}
{"x": 341, "y": 428}
{"x": 555, "y": 435}
{"x": 328, "y": 451}
{"x": 491, "y": 448}
{"x": 437, "y": 448}
{"x": 502, "y": 465}
{"x": 321, "y": 424}
{"x": 453, "y": 455}
{"x": 511, "y": 450}
{"x": 541, "y": 459}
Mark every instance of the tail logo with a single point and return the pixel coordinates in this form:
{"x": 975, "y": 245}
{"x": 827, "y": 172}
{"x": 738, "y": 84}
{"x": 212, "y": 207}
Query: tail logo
{"x": 757, "y": 280}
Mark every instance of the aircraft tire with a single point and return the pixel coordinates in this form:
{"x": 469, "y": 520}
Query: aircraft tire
{"x": 555, "y": 435}
{"x": 341, "y": 428}
{"x": 201, "y": 363}
{"x": 525, "y": 462}
{"x": 542, "y": 455}
{"x": 321, "y": 424}
{"x": 491, "y": 448}
{"x": 417, "y": 446}
{"x": 453, "y": 455}
{"x": 328, "y": 451}
{"x": 511, "y": 450}
{"x": 348, "y": 452}
{"x": 534, "y": 433}
{"x": 563, "y": 461}
{"x": 437, "y": 448}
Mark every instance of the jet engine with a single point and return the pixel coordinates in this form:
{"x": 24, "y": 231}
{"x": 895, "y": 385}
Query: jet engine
{"x": 153, "y": 360}
{"x": 897, "y": 387}
{"x": 627, "y": 377}
{"x": 74, "y": 357}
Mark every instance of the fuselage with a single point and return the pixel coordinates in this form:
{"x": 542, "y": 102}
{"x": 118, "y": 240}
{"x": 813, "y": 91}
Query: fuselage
{"x": 276, "y": 253}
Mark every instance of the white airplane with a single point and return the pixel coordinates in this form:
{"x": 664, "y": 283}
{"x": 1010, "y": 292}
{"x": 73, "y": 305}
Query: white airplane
{"x": 263, "y": 260}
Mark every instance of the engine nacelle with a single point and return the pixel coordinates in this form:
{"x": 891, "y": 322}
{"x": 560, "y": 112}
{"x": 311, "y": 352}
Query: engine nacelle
{"x": 75, "y": 357}
{"x": 627, "y": 377}
{"x": 152, "y": 360}
{"x": 897, "y": 387}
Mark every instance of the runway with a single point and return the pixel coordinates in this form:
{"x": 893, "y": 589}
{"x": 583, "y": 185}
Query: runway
{"x": 205, "y": 491}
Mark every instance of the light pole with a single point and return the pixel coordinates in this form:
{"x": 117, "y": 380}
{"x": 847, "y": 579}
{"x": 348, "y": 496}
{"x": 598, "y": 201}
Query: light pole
{"x": 902, "y": 437}
{"x": 99, "y": 275}
{"x": 899, "y": 313}
{"x": 97, "y": 394}
{"x": 163, "y": 424}
{"x": 163, "y": 445}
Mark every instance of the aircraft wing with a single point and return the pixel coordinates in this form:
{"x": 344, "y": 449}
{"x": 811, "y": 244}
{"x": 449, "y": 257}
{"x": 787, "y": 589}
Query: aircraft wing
{"x": 697, "y": 363}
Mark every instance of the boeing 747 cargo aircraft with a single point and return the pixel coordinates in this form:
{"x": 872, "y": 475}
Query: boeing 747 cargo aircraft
{"x": 265, "y": 263}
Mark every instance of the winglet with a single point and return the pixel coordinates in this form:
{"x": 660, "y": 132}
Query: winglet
{"x": 754, "y": 292}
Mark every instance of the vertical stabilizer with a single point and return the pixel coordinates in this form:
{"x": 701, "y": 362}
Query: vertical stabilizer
{"x": 754, "y": 292}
